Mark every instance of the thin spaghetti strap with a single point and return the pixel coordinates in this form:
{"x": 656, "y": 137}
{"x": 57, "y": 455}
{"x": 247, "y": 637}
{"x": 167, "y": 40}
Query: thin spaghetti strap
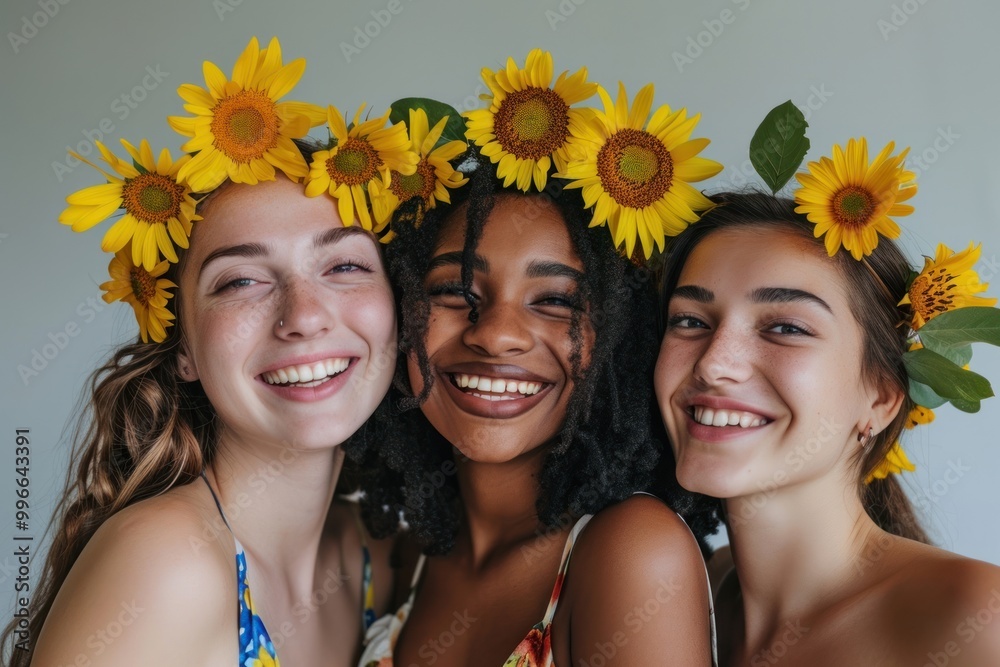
{"x": 217, "y": 503}
{"x": 550, "y": 611}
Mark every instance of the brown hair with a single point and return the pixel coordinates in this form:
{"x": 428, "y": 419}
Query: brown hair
{"x": 876, "y": 285}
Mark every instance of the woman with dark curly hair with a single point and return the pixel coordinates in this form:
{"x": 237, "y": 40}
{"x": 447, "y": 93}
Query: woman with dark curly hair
{"x": 526, "y": 423}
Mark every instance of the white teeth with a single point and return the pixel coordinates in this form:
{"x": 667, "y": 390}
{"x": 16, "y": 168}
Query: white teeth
{"x": 307, "y": 375}
{"x": 495, "y": 386}
{"x": 710, "y": 417}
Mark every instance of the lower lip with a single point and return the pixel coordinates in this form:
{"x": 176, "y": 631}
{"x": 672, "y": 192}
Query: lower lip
{"x": 717, "y": 433}
{"x": 312, "y": 394}
{"x": 482, "y": 407}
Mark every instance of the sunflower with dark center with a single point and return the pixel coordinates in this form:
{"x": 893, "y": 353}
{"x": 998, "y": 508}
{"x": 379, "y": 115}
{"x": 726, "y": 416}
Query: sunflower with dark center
{"x": 357, "y": 168}
{"x": 948, "y": 281}
{"x": 528, "y": 124}
{"x": 158, "y": 205}
{"x": 240, "y": 130}
{"x": 433, "y": 176}
{"x": 144, "y": 290}
{"x": 850, "y": 201}
{"x": 635, "y": 174}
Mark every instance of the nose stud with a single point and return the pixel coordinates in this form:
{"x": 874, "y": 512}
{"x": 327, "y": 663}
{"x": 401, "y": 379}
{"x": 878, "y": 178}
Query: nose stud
{"x": 281, "y": 323}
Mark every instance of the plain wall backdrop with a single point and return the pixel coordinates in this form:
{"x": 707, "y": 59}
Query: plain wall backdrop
{"x": 919, "y": 72}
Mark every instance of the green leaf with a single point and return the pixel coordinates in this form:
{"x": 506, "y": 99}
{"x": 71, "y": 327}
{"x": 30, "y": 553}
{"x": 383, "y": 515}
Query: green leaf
{"x": 966, "y": 406}
{"x": 454, "y": 129}
{"x": 779, "y": 144}
{"x": 924, "y": 395}
{"x": 974, "y": 324}
{"x": 960, "y": 355}
{"x": 138, "y": 167}
{"x": 944, "y": 377}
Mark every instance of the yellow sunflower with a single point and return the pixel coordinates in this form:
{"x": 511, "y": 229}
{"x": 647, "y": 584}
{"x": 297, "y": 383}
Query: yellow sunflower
{"x": 919, "y": 415}
{"x": 360, "y": 164}
{"x": 434, "y": 173}
{"x": 895, "y": 462}
{"x": 239, "y": 129}
{"x": 636, "y": 175}
{"x": 528, "y": 124}
{"x": 947, "y": 282}
{"x": 144, "y": 290}
{"x": 850, "y": 201}
{"x": 158, "y": 206}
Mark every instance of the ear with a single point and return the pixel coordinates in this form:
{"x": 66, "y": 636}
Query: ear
{"x": 186, "y": 368}
{"x": 886, "y": 402}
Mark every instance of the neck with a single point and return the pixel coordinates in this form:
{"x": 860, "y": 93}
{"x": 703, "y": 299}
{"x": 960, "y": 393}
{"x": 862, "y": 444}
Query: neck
{"x": 797, "y": 551}
{"x": 499, "y": 500}
{"x": 276, "y": 501}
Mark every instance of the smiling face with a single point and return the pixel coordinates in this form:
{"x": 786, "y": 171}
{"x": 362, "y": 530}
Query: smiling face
{"x": 759, "y": 376}
{"x": 288, "y": 317}
{"x": 501, "y": 385}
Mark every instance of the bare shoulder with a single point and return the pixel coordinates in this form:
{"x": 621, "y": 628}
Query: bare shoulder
{"x": 951, "y": 603}
{"x": 153, "y": 573}
{"x": 638, "y": 579}
{"x": 645, "y": 538}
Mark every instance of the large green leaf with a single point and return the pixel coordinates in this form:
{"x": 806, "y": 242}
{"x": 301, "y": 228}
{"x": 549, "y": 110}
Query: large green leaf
{"x": 974, "y": 324}
{"x": 779, "y": 144}
{"x": 454, "y": 129}
{"x": 945, "y": 378}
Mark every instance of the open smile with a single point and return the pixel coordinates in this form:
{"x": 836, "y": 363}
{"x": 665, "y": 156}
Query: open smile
{"x": 495, "y": 396}
{"x": 311, "y": 381}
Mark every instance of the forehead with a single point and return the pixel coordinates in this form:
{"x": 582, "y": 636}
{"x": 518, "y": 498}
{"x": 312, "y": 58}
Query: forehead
{"x": 518, "y": 227}
{"x": 268, "y": 212}
{"x": 735, "y": 261}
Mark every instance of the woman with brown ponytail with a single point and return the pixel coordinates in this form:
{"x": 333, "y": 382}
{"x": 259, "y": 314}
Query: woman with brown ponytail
{"x": 782, "y": 384}
{"x": 213, "y": 446}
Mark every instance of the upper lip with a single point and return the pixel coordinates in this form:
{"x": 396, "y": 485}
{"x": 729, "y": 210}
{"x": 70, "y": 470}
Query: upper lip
{"x": 723, "y": 403}
{"x": 307, "y": 359}
{"x": 505, "y": 371}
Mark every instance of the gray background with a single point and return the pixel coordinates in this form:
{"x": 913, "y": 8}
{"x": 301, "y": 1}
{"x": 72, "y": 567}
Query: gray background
{"x": 920, "y": 72}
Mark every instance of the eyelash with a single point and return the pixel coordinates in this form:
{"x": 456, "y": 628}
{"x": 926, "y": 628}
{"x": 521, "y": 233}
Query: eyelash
{"x": 231, "y": 285}
{"x": 674, "y": 322}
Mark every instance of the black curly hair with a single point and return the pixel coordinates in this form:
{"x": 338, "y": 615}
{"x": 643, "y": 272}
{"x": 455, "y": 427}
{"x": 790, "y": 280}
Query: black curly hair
{"x": 611, "y": 440}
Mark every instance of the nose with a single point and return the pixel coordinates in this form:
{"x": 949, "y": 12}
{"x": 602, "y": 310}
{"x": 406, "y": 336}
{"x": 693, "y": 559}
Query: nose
{"x": 725, "y": 358}
{"x": 304, "y": 312}
{"x": 500, "y": 330}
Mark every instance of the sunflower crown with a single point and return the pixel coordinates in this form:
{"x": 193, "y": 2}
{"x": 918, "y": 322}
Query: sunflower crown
{"x": 240, "y": 131}
{"x": 634, "y": 169}
{"x": 852, "y": 203}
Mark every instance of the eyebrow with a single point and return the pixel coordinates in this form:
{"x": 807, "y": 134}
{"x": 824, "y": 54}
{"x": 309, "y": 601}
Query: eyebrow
{"x": 759, "y": 295}
{"x": 455, "y": 259}
{"x": 252, "y": 250}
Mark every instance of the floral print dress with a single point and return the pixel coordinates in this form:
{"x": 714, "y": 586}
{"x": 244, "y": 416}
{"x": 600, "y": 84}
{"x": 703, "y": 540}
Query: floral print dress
{"x": 535, "y": 650}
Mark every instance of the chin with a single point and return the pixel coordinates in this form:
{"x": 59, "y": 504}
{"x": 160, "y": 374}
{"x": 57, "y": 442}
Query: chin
{"x": 710, "y": 476}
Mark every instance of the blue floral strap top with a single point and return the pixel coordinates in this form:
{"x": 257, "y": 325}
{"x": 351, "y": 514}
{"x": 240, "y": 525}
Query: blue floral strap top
{"x": 256, "y": 647}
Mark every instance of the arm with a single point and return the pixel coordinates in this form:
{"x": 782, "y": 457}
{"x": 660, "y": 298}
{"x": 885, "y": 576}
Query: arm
{"x": 148, "y": 589}
{"x": 641, "y": 590}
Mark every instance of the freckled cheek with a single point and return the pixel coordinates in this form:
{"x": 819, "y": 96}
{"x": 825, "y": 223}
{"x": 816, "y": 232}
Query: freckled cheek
{"x": 373, "y": 315}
